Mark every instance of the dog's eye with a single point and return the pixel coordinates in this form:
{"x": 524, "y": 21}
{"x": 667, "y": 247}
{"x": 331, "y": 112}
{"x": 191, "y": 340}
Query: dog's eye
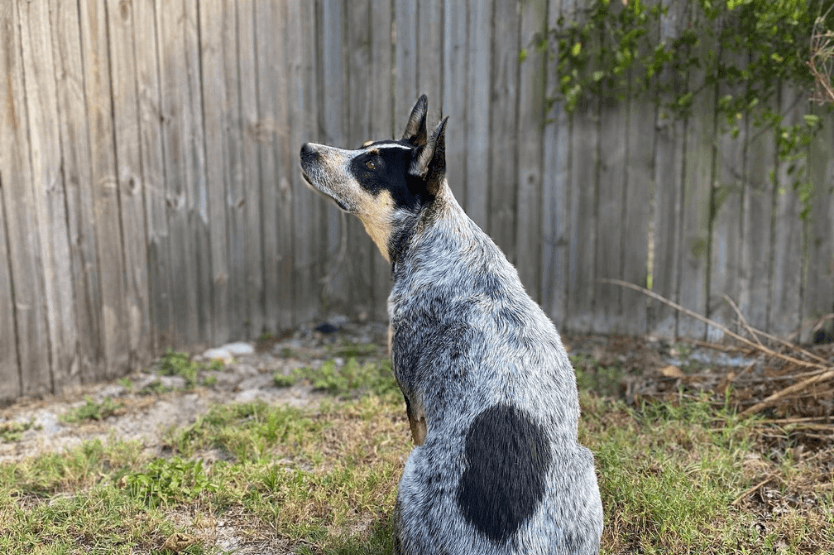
{"x": 370, "y": 165}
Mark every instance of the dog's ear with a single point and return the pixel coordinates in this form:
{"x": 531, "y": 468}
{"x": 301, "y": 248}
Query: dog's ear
{"x": 415, "y": 129}
{"x": 430, "y": 162}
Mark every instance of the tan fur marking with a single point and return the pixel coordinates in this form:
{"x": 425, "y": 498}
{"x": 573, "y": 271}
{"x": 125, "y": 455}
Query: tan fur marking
{"x": 367, "y": 143}
{"x": 376, "y": 214}
{"x": 418, "y": 430}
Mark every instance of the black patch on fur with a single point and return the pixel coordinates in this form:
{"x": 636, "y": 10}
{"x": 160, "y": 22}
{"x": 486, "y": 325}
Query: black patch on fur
{"x": 390, "y": 172}
{"x": 507, "y": 459}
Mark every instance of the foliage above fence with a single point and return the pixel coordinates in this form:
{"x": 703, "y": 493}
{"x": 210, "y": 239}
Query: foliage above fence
{"x": 741, "y": 51}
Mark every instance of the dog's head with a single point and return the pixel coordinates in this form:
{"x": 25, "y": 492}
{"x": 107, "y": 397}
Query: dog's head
{"x": 384, "y": 183}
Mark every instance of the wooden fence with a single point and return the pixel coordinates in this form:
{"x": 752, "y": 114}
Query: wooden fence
{"x": 150, "y": 195}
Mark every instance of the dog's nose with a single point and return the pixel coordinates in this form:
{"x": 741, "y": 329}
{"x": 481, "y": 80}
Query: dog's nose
{"x": 308, "y": 153}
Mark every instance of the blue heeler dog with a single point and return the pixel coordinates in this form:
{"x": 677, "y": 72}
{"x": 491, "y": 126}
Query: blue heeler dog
{"x": 489, "y": 391}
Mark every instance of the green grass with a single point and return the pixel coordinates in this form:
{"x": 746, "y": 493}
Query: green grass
{"x": 12, "y": 431}
{"x": 324, "y": 479}
{"x": 92, "y": 410}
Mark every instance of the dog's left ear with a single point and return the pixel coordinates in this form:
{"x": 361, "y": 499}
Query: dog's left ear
{"x": 430, "y": 162}
{"x": 415, "y": 129}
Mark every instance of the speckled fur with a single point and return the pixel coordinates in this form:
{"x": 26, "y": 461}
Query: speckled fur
{"x": 467, "y": 341}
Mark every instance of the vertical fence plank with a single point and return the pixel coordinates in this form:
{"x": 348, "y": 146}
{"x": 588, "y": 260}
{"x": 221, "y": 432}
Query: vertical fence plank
{"x": 275, "y": 151}
{"x": 583, "y": 185}
{"x": 195, "y": 179}
{"x": 786, "y": 270}
{"x": 381, "y": 127}
{"x": 301, "y": 54}
{"x": 501, "y": 186}
{"x": 728, "y": 191}
{"x": 430, "y": 41}
{"x": 130, "y": 180}
{"x": 217, "y": 34}
{"x": 405, "y": 63}
{"x": 530, "y": 133}
{"x": 479, "y": 111}
{"x": 818, "y": 297}
{"x": 334, "y": 111}
{"x": 176, "y": 129}
{"x": 105, "y": 186}
{"x": 152, "y": 158}
{"x": 555, "y": 193}
{"x": 252, "y": 252}
{"x": 613, "y": 181}
{"x": 80, "y": 191}
{"x": 48, "y": 189}
{"x": 695, "y": 213}
{"x": 757, "y": 213}
{"x": 234, "y": 200}
{"x": 9, "y": 367}
{"x": 361, "y": 104}
{"x": 668, "y": 158}
{"x": 455, "y": 94}
{"x": 22, "y": 239}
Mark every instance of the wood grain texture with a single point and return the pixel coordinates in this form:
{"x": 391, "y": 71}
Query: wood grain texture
{"x": 501, "y": 184}
{"x": 786, "y": 269}
{"x": 668, "y": 175}
{"x": 130, "y": 180}
{"x": 818, "y": 292}
{"x": 98, "y": 96}
{"x": 405, "y": 62}
{"x": 530, "y": 126}
{"x": 303, "y": 109}
{"x": 479, "y": 111}
{"x": 333, "y": 79}
{"x": 455, "y": 93}
{"x": 698, "y": 175}
{"x": 728, "y": 192}
{"x": 234, "y": 199}
{"x": 381, "y": 80}
{"x": 173, "y": 93}
{"x": 217, "y": 35}
{"x": 9, "y": 366}
{"x": 555, "y": 191}
{"x": 48, "y": 191}
{"x": 271, "y": 131}
{"x": 430, "y": 42}
{"x": 250, "y": 212}
{"x": 152, "y": 158}
{"x": 22, "y": 233}
{"x": 360, "y": 107}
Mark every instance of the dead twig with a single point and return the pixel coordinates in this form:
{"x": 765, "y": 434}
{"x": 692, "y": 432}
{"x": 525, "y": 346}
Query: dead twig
{"x": 788, "y": 391}
{"x": 743, "y": 320}
{"x": 725, "y": 329}
{"x": 754, "y": 489}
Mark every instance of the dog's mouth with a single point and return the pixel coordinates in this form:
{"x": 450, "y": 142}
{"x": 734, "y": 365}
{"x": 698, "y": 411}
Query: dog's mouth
{"x": 328, "y": 196}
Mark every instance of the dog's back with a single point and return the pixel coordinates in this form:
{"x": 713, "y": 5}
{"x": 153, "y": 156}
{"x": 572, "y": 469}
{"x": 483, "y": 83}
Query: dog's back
{"x": 490, "y": 394}
{"x": 500, "y": 470}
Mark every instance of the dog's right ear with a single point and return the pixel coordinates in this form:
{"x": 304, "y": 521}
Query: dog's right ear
{"x": 415, "y": 129}
{"x": 430, "y": 163}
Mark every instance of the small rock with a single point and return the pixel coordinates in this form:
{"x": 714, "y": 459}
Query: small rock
{"x": 258, "y": 382}
{"x": 239, "y": 348}
{"x": 219, "y": 354}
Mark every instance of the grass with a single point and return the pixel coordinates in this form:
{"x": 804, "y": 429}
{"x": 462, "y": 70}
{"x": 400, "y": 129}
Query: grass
{"x": 91, "y": 410}
{"x": 324, "y": 480}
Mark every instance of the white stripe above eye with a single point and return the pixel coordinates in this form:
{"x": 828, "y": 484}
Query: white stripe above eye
{"x": 389, "y": 145}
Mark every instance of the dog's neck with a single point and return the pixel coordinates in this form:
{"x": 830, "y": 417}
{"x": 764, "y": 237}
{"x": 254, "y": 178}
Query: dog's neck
{"x": 444, "y": 210}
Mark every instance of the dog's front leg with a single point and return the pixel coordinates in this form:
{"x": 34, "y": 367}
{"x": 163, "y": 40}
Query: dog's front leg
{"x": 416, "y": 420}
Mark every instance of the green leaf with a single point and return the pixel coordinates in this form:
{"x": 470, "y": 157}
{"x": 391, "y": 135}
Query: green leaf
{"x": 577, "y": 48}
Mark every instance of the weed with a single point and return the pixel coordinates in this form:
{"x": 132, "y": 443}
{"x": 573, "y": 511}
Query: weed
{"x": 125, "y": 383}
{"x": 164, "y": 482}
{"x": 216, "y": 365}
{"x": 281, "y": 380}
{"x": 593, "y": 376}
{"x": 179, "y": 364}
{"x": 155, "y": 388}
{"x": 92, "y": 410}
{"x": 345, "y": 381}
{"x": 210, "y": 381}
{"x": 12, "y": 431}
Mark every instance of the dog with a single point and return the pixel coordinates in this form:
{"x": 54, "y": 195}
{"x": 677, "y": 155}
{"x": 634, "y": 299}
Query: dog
{"x": 489, "y": 390}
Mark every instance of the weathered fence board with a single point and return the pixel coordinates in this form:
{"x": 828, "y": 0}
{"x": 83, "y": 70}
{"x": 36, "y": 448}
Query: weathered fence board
{"x": 530, "y": 145}
{"x": 555, "y": 193}
{"x": 48, "y": 189}
{"x": 381, "y": 126}
{"x": 130, "y": 181}
{"x": 150, "y": 195}
{"x": 502, "y": 162}
{"x": 150, "y": 117}
{"x": 22, "y": 230}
